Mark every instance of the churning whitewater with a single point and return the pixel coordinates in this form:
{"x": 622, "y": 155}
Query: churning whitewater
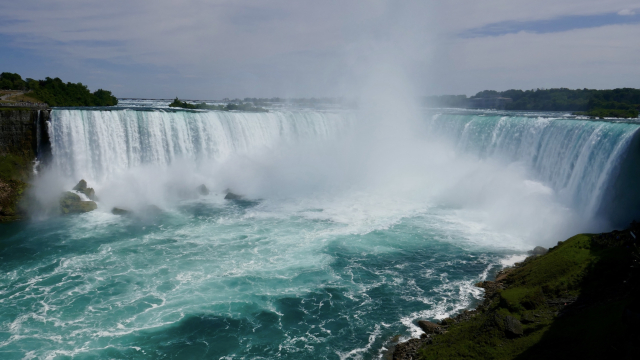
{"x": 345, "y": 236}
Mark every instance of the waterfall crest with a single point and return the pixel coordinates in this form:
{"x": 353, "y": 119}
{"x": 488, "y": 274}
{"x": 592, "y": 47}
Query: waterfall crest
{"x": 97, "y": 143}
{"x": 579, "y": 159}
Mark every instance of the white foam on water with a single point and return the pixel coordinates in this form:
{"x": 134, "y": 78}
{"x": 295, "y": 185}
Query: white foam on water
{"x": 512, "y": 260}
{"x": 315, "y": 182}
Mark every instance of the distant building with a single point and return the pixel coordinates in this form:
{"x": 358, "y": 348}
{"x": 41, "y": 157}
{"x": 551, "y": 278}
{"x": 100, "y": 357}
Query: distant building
{"x": 488, "y": 103}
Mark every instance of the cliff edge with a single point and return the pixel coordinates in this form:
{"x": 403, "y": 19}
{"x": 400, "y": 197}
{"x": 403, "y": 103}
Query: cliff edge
{"x": 24, "y": 142}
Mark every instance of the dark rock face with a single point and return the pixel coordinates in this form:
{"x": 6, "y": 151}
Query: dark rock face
{"x": 429, "y": 327}
{"x": 408, "y": 350}
{"x": 202, "y": 190}
{"x": 23, "y": 138}
{"x": 89, "y": 192}
{"x": 82, "y": 184}
{"x": 512, "y": 327}
{"x": 232, "y": 196}
{"x": 71, "y": 203}
{"x": 10, "y": 193}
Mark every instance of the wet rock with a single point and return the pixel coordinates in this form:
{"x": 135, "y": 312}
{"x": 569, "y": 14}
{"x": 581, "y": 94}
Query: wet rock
{"x": 202, "y": 190}
{"x": 82, "y": 187}
{"x": 512, "y": 327}
{"x": 232, "y": 196}
{"x": 408, "y": 350}
{"x": 82, "y": 184}
{"x": 71, "y": 203}
{"x": 119, "y": 211}
{"x": 429, "y": 327}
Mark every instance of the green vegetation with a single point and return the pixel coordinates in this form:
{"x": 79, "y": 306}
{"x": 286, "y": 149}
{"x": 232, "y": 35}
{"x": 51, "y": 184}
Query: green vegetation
{"x": 623, "y": 103}
{"x": 609, "y": 113}
{"x": 577, "y": 301}
{"x": 56, "y": 93}
{"x": 9, "y": 81}
{"x": 230, "y": 106}
{"x": 13, "y": 177}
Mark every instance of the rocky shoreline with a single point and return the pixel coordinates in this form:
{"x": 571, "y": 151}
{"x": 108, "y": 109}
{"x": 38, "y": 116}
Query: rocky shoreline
{"x": 580, "y": 298}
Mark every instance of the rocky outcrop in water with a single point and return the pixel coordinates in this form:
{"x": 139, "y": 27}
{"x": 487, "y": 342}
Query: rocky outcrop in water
{"x": 429, "y": 328}
{"x": 82, "y": 188}
{"x": 202, "y": 190}
{"x": 233, "y": 196}
{"x": 71, "y": 203}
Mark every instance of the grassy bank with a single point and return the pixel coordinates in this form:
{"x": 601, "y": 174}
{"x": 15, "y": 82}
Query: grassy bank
{"x": 580, "y": 300}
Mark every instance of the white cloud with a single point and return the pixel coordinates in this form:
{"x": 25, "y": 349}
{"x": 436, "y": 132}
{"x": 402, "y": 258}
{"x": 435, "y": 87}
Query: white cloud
{"x": 599, "y": 57}
{"x": 626, "y": 12}
{"x": 269, "y": 47}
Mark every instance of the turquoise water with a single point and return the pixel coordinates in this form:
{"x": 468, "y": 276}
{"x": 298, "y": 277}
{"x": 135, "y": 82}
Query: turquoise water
{"x": 347, "y": 236}
{"x": 215, "y": 278}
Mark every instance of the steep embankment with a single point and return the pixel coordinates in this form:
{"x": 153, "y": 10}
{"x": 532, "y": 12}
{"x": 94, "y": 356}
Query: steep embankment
{"x": 23, "y": 139}
{"x": 580, "y": 300}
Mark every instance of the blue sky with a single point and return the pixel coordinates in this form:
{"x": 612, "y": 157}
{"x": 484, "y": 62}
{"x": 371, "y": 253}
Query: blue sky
{"x": 204, "y": 49}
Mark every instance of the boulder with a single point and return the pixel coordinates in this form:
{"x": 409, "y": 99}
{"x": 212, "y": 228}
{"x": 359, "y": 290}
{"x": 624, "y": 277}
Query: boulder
{"x": 82, "y": 184}
{"x": 409, "y": 349}
{"x": 202, "y": 190}
{"x": 71, "y": 203}
{"x": 429, "y": 327}
{"x": 232, "y": 196}
{"x": 512, "y": 327}
{"x": 82, "y": 187}
{"x": 119, "y": 211}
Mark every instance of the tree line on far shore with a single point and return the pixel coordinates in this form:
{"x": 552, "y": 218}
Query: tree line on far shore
{"x": 241, "y": 106}
{"x": 57, "y": 93}
{"x": 623, "y": 102}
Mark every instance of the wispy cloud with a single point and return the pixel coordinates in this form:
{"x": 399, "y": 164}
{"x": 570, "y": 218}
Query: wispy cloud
{"x": 559, "y": 24}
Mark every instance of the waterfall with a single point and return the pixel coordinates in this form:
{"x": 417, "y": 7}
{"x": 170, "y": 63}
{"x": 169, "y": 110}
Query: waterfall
{"x": 579, "y": 159}
{"x": 96, "y": 144}
{"x": 588, "y": 164}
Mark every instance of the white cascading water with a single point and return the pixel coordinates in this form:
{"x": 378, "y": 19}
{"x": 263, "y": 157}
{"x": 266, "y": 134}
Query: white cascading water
{"x": 559, "y": 163}
{"x": 576, "y": 158}
{"x": 98, "y": 144}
